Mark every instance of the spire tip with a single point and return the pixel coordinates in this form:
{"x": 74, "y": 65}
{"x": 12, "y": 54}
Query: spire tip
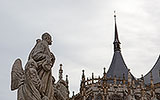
{"x": 114, "y": 14}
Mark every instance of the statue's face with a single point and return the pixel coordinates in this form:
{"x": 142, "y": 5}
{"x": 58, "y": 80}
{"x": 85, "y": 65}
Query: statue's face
{"x": 49, "y": 40}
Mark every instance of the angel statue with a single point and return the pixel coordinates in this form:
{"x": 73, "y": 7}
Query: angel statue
{"x": 36, "y": 81}
{"x": 27, "y": 81}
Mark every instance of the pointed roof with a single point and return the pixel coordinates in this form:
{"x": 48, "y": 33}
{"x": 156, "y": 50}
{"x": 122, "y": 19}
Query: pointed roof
{"x": 155, "y": 73}
{"x": 118, "y": 67}
{"x": 116, "y": 39}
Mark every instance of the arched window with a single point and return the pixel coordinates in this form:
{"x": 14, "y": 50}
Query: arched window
{"x": 99, "y": 97}
{"x": 89, "y": 98}
{"x": 116, "y": 97}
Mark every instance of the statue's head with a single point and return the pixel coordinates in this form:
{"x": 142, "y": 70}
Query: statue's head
{"x": 47, "y": 37}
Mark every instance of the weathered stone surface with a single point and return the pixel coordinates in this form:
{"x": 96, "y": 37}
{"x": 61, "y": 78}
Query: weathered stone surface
{"x": 36, "y": 81}
{"x": 42, "y": 55}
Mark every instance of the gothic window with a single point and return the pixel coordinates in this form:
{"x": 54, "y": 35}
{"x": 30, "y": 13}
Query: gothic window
{"x": 158, "y": 96}
{"x": 99, "y": 97}
{"x": 116, "y": 97}
{"x": 89, "y": 98}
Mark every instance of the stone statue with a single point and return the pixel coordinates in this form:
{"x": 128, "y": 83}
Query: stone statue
{"x": 27, "y": 81}
{"x": 45, "y": 59}
{"x": 36, "y": 81}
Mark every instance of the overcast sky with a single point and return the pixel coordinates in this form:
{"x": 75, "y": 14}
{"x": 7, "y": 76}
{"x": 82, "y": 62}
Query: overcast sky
{"x": 83, "y": 33}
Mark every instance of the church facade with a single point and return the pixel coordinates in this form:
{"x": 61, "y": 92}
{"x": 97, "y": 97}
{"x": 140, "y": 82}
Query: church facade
{"x": 118, "y": 83}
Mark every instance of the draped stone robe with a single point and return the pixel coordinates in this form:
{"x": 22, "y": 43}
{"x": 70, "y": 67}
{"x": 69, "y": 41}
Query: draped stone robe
{"x": 31, "y": 89}
{"x": 45, "y": 59}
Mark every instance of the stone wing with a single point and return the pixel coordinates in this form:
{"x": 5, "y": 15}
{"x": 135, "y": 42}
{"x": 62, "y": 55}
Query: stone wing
{"x": 17, "y": 74}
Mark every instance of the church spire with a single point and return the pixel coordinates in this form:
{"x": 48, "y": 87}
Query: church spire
{"x": 116, "y": 39}
{"x": 118, "y": 66}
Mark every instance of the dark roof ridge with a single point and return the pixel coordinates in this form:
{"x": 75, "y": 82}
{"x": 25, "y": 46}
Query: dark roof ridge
{"x": 153, "y": 65}
{"x": 155, "y": 73}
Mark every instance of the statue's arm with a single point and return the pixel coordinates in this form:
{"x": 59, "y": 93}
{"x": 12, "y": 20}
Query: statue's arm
{"x": 38, "y": 53}
{"x": 52, "y": 59}
{"x": 48, "y": 64}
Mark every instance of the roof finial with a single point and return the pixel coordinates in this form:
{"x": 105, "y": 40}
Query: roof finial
{"x": 115, "y": 15}
{"x": 60, "y": 72}
{"x": 152, "y": 84}
{"x": 116, "y": 39}
{"x": 67, "y": 82}
{"x": 83, "y": 76}
{"x": 92, "y": 78}
{"x": 67, "y": 79}
{"x": 73, "y": 93}
{"x": 104, "y": 70}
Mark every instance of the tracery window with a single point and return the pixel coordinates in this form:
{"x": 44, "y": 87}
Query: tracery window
{"x": 116, "y": 97}
{"x": 99, "y": 97}
{"x": 89, "y": 98}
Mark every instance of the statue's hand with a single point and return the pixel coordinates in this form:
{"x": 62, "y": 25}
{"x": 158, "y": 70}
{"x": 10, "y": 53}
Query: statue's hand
{"x": 47, "y": 64}
{"x": 45, "y": 98}
{"x": 52, "y": 56}
{"x": 52, "y": 59}
{"x": 47, "y": 67}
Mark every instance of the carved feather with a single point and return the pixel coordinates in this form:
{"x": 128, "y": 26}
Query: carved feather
{"x": 17, "y": 74}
